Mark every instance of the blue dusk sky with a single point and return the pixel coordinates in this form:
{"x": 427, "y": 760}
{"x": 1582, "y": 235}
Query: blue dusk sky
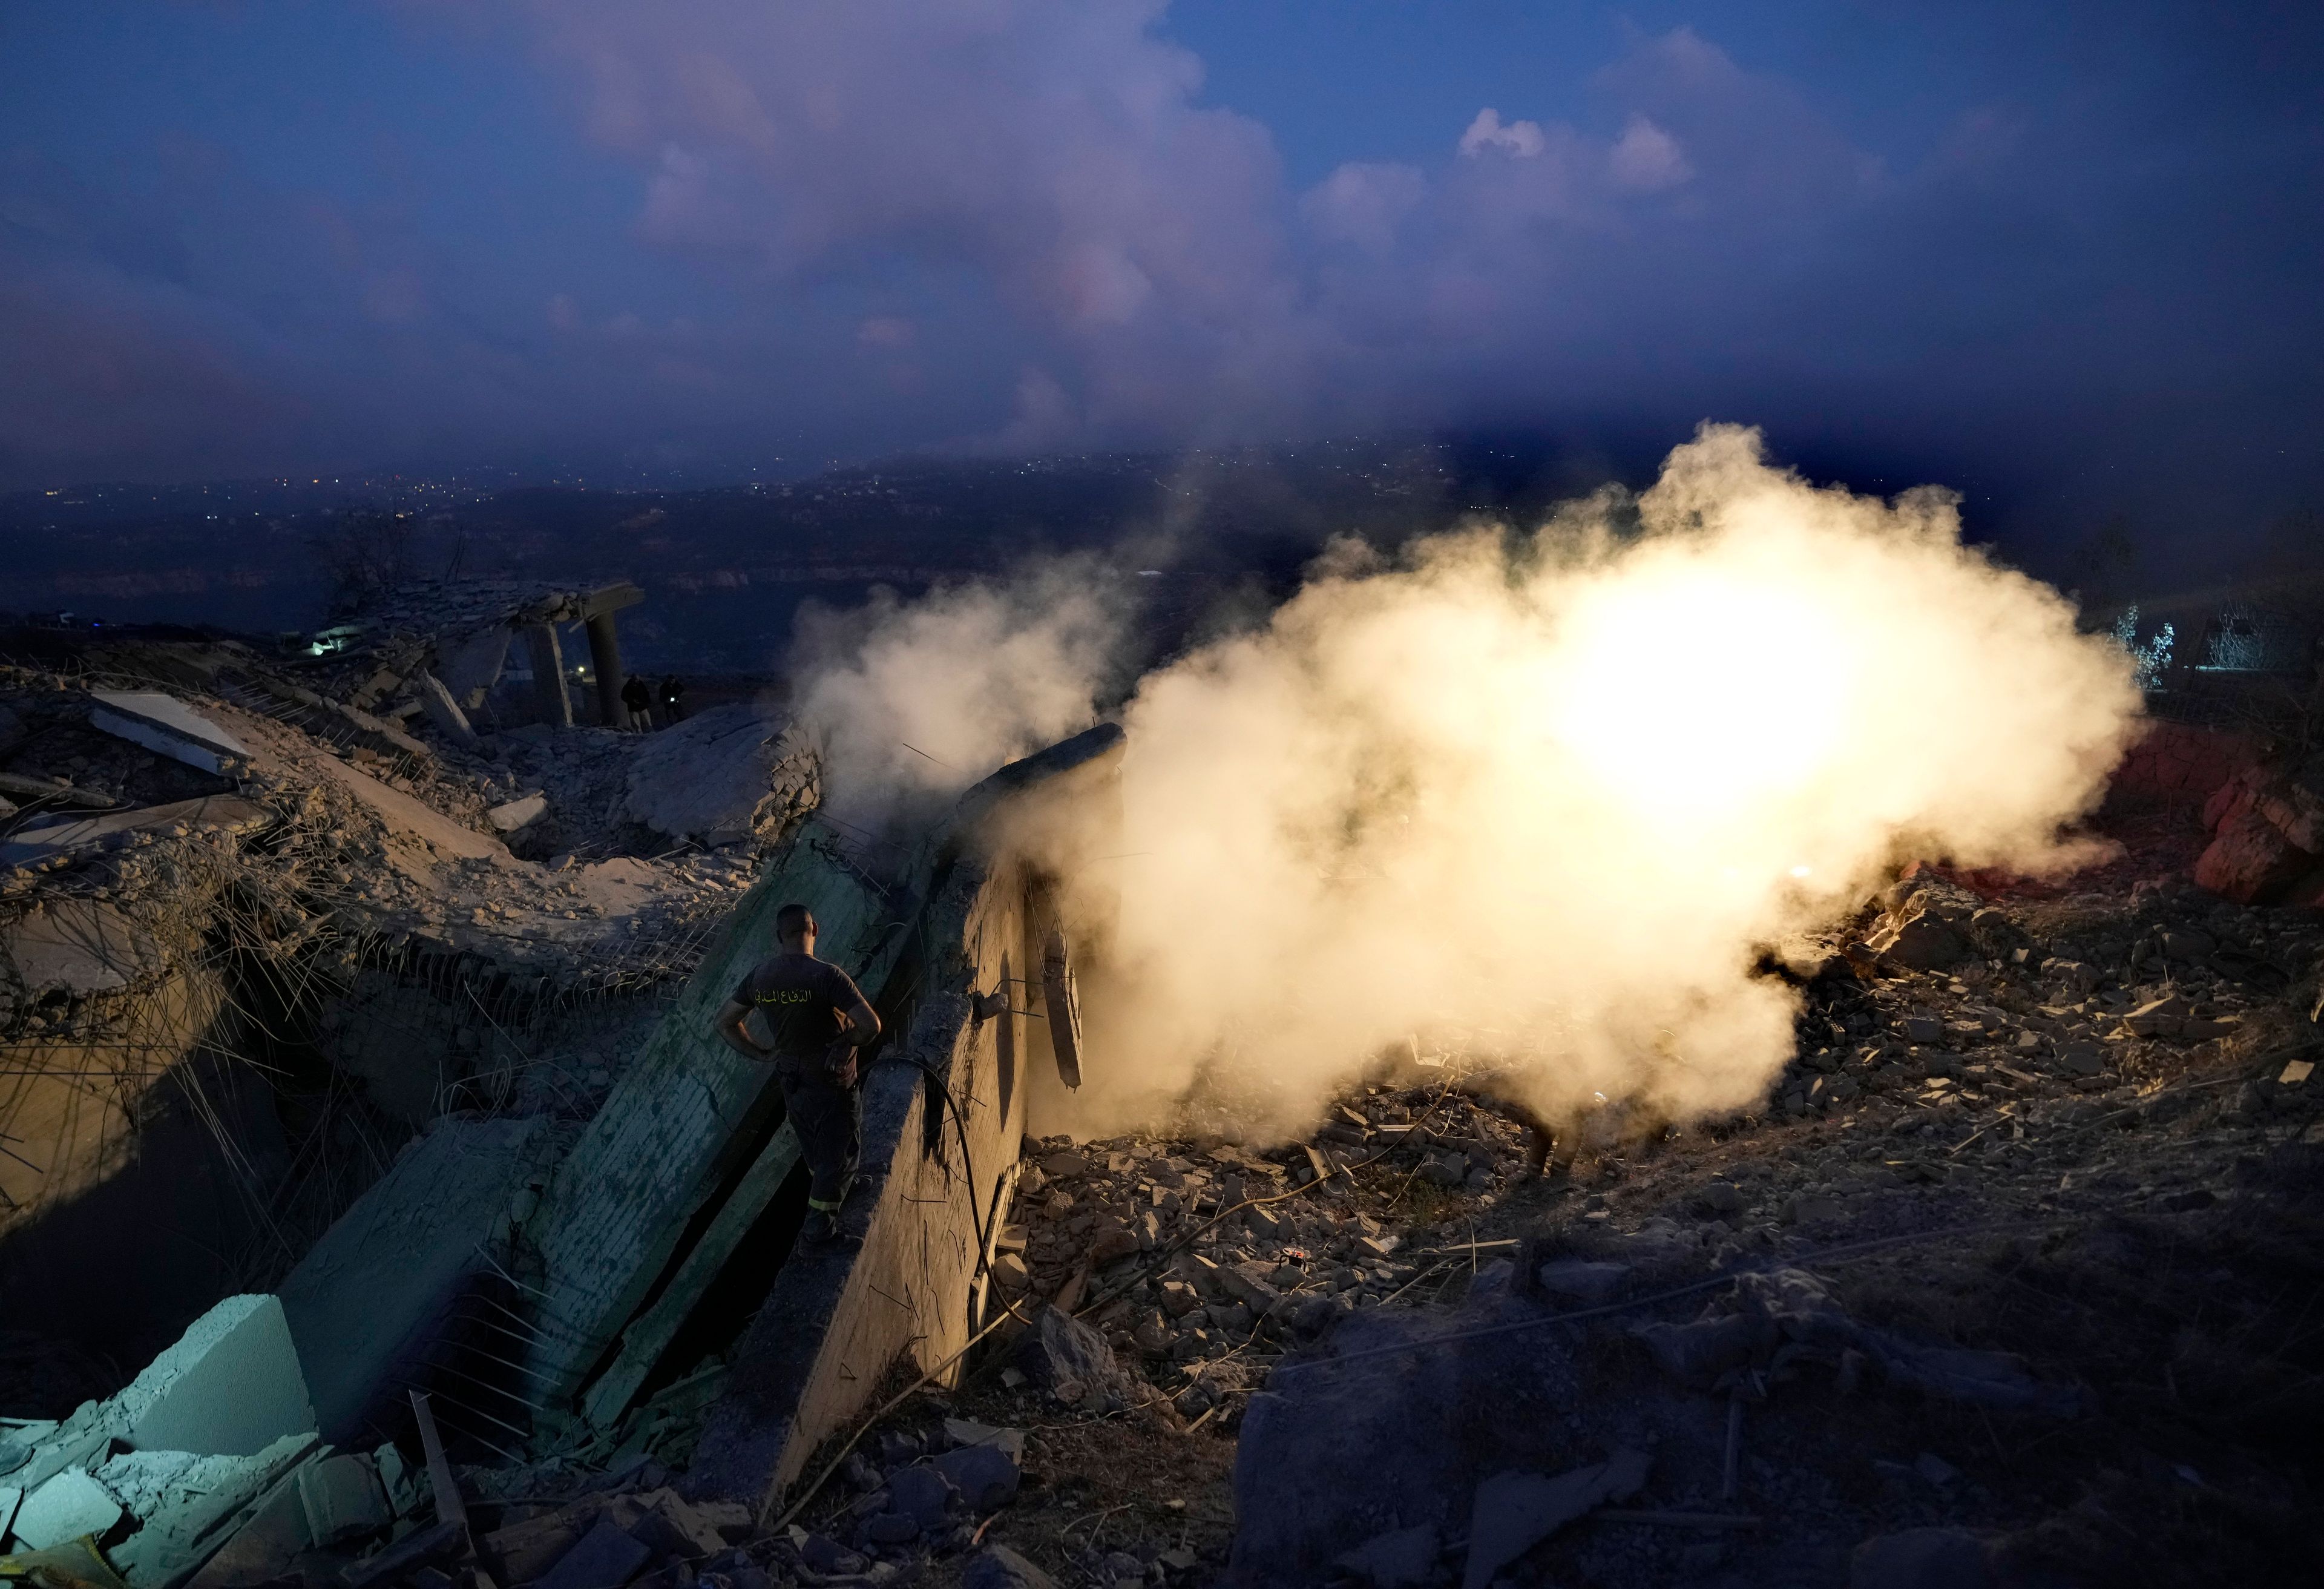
{"x": 2064, "y": 257}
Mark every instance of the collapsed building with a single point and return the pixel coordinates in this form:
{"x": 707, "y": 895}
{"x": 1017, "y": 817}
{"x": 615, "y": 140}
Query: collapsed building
{"x": 528, "y": 1244}
{"x": 325, "y": 1087}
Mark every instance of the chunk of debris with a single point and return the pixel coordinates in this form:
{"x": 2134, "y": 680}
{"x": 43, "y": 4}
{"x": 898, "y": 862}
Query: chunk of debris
{"x": 605, "y": 1558}
{"x": 343, "y": 1498}
{"x": 165, "y": 723}
{"x": 1071, "y": 1361}
{"x": 512, "y": 815}
{"x": 65, "y": 1508}
{"x": 369, "y": 1298}
{"x": 1401, "y": 1558}
{"x": 1514, "y": 1511}
{"x": 986, "y": 1476}
{"x": 81, "y": 945}
{"x": 231, "y": 1386}
{"x": 75, "y": 835}
{"x": 996, "y": 1567}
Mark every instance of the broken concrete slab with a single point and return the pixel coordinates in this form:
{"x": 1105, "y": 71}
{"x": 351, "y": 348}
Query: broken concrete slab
{"x": 470, "y": 664}
{"x": 74, "y": 1565}
{"x": 230, "y": 1387}
{"x": 369, "y": 1298}
{"x": 167, "y": 725}
{"x": 65, "y": 1508}
{"x": 650, "y": 1334}
{"x": 51, "y": 792}
{"x": 73, "y": 836}
{"x": 680, "y": 1117}
{"x": 605, "y": 1558}
{"x": 264, "y": 1547}
{"x": 82, "y": 945}
{"x": 1069, "y": 1360}
{"x": 724, "y": 775}
{"x": 188, "y": 1511}
{"x": 444, "y": 712}
{"x": 512, "y": 815}
{"x": 1329, "y": 1448}
{"x": 343, "y": 1498}
{"x": 1514, "y": 1511}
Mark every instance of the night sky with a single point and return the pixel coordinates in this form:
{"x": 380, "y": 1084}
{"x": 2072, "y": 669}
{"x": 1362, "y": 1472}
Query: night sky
{"x": 2065, "y": 257}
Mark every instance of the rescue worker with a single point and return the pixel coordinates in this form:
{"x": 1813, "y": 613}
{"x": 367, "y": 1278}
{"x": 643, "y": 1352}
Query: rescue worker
{"x": 817, "y": 1019}
{"x": 673, "y": 700}
{"x": 635, "y": 698}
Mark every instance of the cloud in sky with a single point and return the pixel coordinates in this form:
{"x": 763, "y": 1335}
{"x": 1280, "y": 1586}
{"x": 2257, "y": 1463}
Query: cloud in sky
{"x": 1025, "y": 223}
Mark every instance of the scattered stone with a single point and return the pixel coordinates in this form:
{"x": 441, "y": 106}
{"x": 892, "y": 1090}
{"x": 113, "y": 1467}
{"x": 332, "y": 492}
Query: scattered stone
{"x": 1720, "y": 1198}
{"x": 1071, "y": 1361}
{"x": 996, "y": 1567}
{"x": 513, "y": 814}
{"x": 823, "y": 1554}
{"x": 985, "y": 1474}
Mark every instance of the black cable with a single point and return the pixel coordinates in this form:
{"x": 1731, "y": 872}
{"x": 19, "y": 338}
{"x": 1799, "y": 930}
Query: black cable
{"x": 968, "y": 1163}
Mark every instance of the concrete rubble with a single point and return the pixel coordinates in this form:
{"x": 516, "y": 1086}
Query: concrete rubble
{"x": 505, "y": 1291}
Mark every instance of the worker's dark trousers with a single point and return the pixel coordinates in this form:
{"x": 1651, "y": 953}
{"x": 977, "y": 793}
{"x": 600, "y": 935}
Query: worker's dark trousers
{"x": 829, "y": 1119}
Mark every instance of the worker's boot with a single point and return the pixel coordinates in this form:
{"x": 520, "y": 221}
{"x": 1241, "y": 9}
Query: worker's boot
{"x": 822, "y": 1226}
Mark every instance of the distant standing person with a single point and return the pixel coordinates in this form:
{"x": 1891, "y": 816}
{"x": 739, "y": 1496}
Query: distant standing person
{"x": 818, "y": 1020}
{"x": 635, "y": 698}
{"x": 673, "y": 700}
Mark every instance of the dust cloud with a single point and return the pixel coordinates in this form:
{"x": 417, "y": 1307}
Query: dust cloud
{"x": 909, "y": 703}
{"x": 1539, "y": 797}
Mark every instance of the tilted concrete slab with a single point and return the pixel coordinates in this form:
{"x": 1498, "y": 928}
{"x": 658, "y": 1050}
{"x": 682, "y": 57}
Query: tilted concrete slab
{"x": 839, "y": 1317}
{"x": 165, "y": 723}
{"x": 73, "y": 836}
{"x": 682, "y": 1117}
{"x": 721, "y": 775}
{"x": 232, "y": 1386}
{"x": 363, "y": 1306}
{"x": 82, "y": 945}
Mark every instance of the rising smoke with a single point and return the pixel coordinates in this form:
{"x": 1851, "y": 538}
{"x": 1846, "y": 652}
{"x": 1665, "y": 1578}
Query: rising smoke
{"x": 1542, "y": 796}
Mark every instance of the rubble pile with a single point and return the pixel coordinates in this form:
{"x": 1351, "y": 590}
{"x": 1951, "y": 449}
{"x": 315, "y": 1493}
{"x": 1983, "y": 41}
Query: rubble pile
{"x": 2267, "y": 828}
{"x": 253, "y": 938}
{"x": 2015, "y": 1168}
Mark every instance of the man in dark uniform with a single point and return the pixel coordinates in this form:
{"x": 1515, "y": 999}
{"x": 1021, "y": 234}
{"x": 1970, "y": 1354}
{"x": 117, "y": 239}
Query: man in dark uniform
{"x": 673, "y": 700}
{"x": 818, "y": 1017}
{"x": 635, "y": 698}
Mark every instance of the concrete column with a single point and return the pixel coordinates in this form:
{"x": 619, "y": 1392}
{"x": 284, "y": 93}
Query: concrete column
{"x": 605, "y": 657}
{"x": 548, "y": 692}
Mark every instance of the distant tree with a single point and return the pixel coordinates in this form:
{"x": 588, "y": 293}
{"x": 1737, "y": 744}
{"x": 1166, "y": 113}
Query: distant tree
{"x": 364, "y": 554}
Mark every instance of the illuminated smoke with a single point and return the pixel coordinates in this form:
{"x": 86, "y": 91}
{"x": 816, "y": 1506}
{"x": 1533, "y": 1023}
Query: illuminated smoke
{"x": 912, "y": 702}
{"x": 1543, "y": 798}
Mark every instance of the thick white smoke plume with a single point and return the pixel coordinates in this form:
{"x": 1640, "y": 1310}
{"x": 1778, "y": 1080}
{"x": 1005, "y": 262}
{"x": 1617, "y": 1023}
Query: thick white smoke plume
{"x": 913, "y": 702}
{"x": 1543, "y": 798}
